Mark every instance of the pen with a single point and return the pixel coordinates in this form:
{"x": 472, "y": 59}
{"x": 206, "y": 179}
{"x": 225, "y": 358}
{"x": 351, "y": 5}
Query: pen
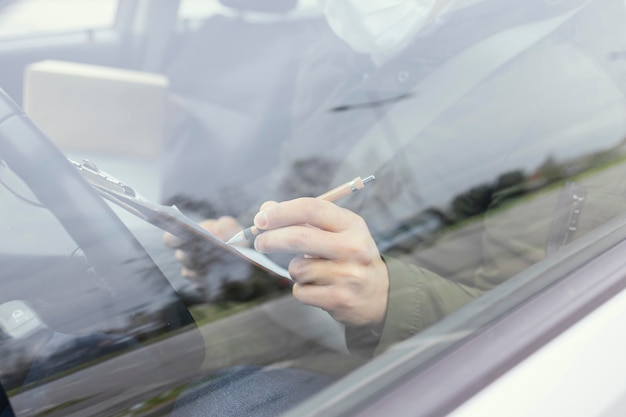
{"x": 332, "y": 195}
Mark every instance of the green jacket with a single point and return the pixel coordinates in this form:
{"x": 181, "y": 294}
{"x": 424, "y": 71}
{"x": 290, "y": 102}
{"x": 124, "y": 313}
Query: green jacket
{"x": 514, "y": 238}
{"x": 417, "y": 299}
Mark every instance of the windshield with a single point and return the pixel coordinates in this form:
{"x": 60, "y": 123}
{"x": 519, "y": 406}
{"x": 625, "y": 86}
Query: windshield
{"x": 491, "y": 135}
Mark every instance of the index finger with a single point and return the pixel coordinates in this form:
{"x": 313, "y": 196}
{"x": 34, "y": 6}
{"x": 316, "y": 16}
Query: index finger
{"x": 312, "y": 211}
{"x": 172, "y": 241}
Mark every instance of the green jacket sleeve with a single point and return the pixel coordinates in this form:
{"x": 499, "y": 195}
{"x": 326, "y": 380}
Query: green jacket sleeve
{"x": 417, "y": 299}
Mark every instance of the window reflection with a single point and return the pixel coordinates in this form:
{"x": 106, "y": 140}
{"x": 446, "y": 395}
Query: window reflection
{"x": 64, "y": 320}
{"x": 470, "y": 191}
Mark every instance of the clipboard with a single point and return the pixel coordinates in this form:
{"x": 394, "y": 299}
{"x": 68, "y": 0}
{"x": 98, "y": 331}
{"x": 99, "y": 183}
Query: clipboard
{"x": 167, "y": 218}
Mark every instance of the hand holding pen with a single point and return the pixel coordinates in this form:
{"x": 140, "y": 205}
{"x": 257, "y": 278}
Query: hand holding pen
{"x": 332, "y": 195}
{"x": 335, "y": 263}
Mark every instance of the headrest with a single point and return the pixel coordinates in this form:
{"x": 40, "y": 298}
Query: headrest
{"x": 269, "y": 6}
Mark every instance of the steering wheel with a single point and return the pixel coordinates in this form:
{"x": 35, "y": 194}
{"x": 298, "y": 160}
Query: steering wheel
{"x": 61, "y": 189}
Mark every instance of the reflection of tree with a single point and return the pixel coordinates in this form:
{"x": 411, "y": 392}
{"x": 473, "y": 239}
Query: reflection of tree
{"x": 550, "y": 170}
{"x": 509, "y": 185}
{"x": 308, "y": 177}
{"x": 509, "y": 180}
{"x": 257, "y": 286}
{"x": 426, "y": 226}
{"x": 421, "y": 229}
{"x": 473, "y": 202}
{"x": 486, "y": 196}
{"x": 600, "y": 159}
{"x": 516, "y": 183}
{"x": 15, "y": 364}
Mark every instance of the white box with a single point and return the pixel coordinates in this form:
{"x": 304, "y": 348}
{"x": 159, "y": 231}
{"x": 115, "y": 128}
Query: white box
{"x": 96, "y": 108}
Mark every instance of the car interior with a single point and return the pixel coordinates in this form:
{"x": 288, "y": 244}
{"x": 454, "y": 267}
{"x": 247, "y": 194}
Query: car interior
{"x": 100, "y": 301}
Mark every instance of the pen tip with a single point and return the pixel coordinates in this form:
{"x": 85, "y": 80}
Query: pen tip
{"x": 235, "y": 239}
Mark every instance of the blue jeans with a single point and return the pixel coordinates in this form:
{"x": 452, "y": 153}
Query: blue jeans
{"x": 249, "y": 391}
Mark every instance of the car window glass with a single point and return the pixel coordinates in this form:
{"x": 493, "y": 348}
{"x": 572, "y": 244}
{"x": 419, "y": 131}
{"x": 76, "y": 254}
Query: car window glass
{"x": 474, "y": 182}
{"x": 60, "y": 312}
{"x": 496, "y": 133}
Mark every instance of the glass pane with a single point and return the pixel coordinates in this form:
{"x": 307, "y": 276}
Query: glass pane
{"x": 486, "y": 156}
{"x": 76, "y": 332}
{"x": 495, "y": 131}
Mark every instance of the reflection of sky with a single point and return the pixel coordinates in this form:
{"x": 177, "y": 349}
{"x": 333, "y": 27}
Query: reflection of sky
{"x": 508, "y": 129}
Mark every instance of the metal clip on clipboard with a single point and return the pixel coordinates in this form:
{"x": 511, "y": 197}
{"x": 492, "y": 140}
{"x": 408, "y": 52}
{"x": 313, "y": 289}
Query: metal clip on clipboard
{"x": 167, "y": 218}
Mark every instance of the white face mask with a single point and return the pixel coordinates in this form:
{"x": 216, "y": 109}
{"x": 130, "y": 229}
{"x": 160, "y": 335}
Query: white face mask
{"x": 377, "y": 26}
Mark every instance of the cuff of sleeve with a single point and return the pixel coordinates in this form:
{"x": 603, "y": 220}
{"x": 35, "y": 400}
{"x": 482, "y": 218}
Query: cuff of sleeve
{"x": 403, "y": 318}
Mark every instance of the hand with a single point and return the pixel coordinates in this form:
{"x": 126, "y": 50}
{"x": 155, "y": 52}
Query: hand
{"x": 341, "y": 270}
{"x": 194, "y": 256}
